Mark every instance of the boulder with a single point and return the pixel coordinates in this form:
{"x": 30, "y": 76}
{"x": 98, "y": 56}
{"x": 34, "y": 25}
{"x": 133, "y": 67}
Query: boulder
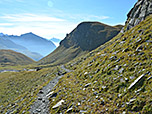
{"x": 58, "y": 104}
{"x": 69, "y": 110}
{"x": 136, "y": 81}
{"x": 87, "y": 85}
{"x": 49, "y": 94}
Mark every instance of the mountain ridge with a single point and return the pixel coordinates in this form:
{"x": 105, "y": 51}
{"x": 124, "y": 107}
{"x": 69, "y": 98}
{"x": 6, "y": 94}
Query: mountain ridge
{"x": 84, "y": 38}
{"x": 32, "y": 42}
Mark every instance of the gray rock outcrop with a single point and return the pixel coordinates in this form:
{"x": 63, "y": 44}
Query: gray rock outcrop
{"x": 138, "y": 13}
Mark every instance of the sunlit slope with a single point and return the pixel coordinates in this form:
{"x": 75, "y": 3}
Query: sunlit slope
{"x": 114, "y": 78}
{"x": 12, "y": 58}
{"x": 18, "y": 90}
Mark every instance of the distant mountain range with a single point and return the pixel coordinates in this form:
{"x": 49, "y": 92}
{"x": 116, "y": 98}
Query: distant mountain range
{"x": 1, "y": 34}
{"x": 29, "y": 44}
{"x": 86, "y": 37}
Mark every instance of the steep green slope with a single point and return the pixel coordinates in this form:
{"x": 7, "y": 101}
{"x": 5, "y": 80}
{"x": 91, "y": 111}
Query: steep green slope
{"x": 84, "y": 38}
{"x": 12, "y": 58}
{"x": 114, "y": 78}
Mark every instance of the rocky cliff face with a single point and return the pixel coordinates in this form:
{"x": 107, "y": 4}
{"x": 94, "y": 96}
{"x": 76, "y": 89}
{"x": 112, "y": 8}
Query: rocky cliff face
{"x": 138, "y": 13}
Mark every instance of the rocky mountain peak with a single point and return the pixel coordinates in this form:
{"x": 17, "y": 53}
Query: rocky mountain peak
{"x": 90, "y": 35}
{"x": 138, "y": 13}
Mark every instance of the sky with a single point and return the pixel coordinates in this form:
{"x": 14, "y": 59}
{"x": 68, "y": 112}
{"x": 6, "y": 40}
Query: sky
{"x": 56, "y": 18}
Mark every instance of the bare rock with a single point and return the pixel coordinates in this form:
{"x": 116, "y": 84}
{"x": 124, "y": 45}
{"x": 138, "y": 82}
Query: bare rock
{"x": 136, "y": 81}
{"x": 138, "y": 13}
{"x": 58, "y": 104}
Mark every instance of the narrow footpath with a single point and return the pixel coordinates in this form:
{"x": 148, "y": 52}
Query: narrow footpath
{"x": 41, "y": 105}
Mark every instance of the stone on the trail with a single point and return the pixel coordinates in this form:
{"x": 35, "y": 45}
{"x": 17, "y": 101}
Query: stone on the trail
{"x": 58, "y": 104}
{"x": 43, "y": 100}
{"x": 41, "y": 92}
{"x": 53, "y": 95}
{"x": 49, "y": 94}
{"x": 39, "y": 98}
{"x": 136, "y": 81}
{"x": 38, "y": 110}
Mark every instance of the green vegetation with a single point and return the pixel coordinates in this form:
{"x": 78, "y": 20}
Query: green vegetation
{"x": 12, "y": 58}
{"x": 86, "y": 37}
{"x": 19, "y": 89}
{"x": 107, "y": 79}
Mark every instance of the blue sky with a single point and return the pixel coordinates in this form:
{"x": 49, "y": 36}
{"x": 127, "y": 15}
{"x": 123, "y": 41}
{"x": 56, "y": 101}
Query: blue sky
{"x": 55, "y": 18}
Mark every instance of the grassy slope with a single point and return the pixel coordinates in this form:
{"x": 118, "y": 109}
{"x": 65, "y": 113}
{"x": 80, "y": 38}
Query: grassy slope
{"x": 108, "y": 91}
{"x": 12, "y": 58}
{"x": 61, "y": 56}
{"x": 18, "y": 90}
{"x": 84, "y": 38}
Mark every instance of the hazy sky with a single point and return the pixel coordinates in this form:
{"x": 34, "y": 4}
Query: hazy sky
{"x": 55, "y": 18}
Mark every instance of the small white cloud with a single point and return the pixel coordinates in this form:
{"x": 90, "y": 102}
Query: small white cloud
{"x": 44, "y": 26}
{"x": 93, "y": 17}
{"x": 6, "y": 24}
{"x": 47, "y": 26}
{"x": 27, "y": 17}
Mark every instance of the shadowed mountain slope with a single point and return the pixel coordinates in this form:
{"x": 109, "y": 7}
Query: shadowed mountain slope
{"x": 86, "y": 37}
